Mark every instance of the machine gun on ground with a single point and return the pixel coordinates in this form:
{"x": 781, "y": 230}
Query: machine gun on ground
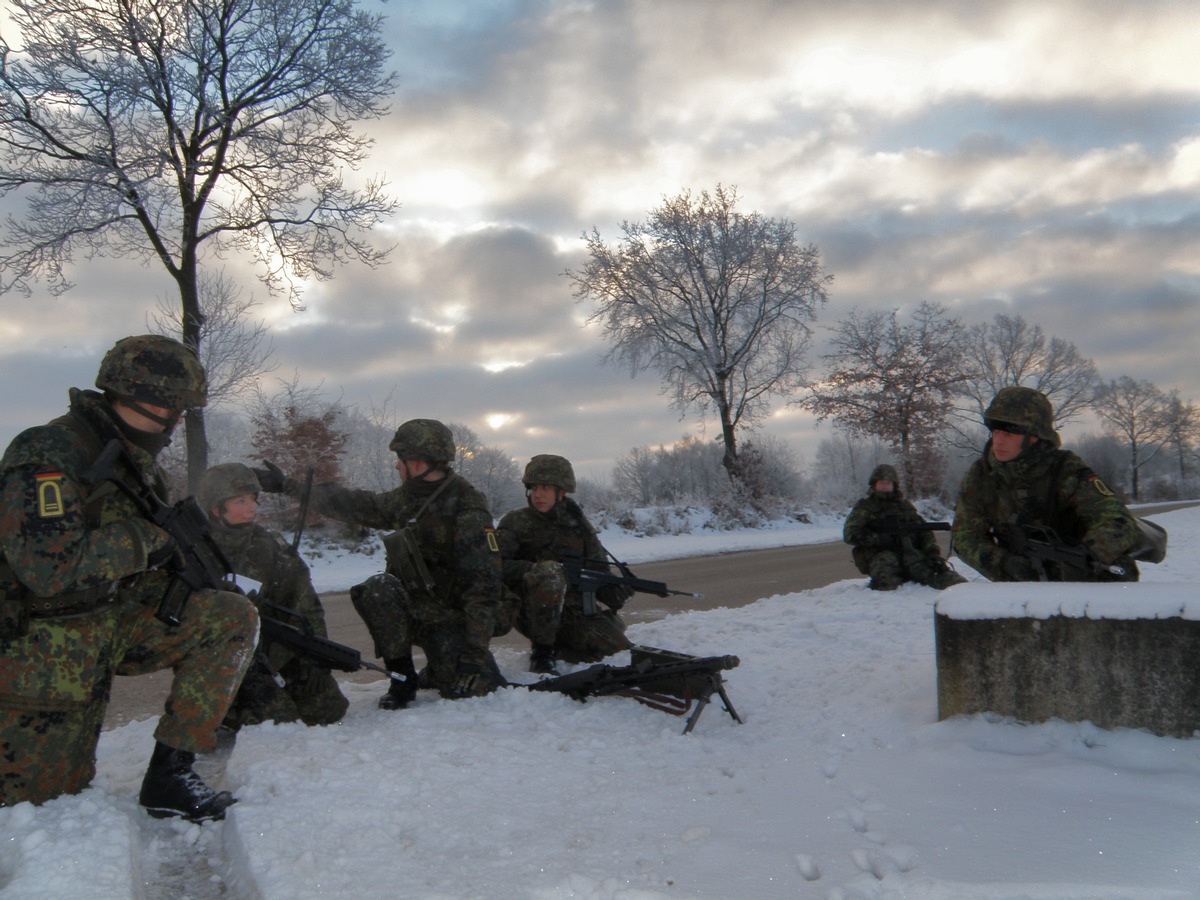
{"x": 198, "y": 562}
{"x": 1040, "y": 544}
{"x": 587, "y": 575}
{"x": 662, "y": 679}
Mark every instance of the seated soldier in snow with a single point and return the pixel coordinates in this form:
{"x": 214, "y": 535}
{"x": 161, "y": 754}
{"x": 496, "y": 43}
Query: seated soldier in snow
{"x": 229, "y": 495}
{"x": 885, "y": 545}
{"x": 533, "y": 542}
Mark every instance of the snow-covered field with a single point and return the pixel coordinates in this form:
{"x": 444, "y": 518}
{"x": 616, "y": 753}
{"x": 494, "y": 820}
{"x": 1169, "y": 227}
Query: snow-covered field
{"x": 840, "y": 784}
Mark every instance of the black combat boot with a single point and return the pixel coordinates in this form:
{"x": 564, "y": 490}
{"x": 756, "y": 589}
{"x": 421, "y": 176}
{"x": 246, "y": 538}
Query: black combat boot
{"x": 541, "y": 660}
{"x": 171, "y": 788}
{"x": 400, "y": 693}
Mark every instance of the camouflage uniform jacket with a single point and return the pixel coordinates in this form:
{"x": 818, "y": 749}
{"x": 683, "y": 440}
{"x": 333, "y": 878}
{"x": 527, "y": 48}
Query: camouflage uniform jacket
{"x": 1042, "y": 486}
{"x": 59, "y": 535}
{"x": 527, "y": 536}
{"x": 455, "y": 537}
{"x": 258, "y": 553}
{"x": 877, "y": 508}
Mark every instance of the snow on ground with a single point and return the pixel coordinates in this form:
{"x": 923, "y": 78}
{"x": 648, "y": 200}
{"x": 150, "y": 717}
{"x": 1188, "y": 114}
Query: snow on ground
{"x": 840, "y": 783}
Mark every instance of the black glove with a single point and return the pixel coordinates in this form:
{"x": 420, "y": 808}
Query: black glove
{"x": 271, "y": 478}
{"x": 869, "y": 537}
{"x": 1018, "y": 568}
{"x": 614, "y": 595}
{"x": 468, "y": 679}
{"x": 307, "y": 681}
{"x": 164, "y": 556}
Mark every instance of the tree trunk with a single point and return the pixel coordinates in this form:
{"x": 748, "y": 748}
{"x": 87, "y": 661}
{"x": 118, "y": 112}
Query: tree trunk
{"x": 729, "y": 460}
{"x": 196, "y": 443}
{"x": 196, "y": 439}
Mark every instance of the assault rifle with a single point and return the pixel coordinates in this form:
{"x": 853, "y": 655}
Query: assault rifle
{"x": 895, "y": 526}
{"x": 301, "y": 639}
{"x": 587, "y": 575}
{"x": 1041, "y": 544}
{"x": 198, "y": 562}
{"x": 662, "y": 679}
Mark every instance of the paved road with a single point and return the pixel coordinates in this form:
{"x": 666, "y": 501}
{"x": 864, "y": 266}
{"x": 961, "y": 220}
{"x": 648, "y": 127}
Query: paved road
{"x": 728, "y": 579}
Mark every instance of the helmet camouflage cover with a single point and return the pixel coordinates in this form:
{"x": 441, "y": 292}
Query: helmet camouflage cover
{"x": 1028, "y": 409}
{"x": 884, "y": 472}
{"x": 154, "y": 369}
{"x": 222, "y": 482}
{"x": 425, "y": 439}
{"x": 547, "y": 468}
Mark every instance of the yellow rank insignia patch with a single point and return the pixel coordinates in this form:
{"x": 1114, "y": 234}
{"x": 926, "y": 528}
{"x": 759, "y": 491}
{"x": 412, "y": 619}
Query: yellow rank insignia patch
{"x": 49, "y": 495}
{"x": 491, "y": 539}
{"x": 1100, "y": 486}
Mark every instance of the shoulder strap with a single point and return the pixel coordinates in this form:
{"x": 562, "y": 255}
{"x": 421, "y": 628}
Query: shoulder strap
{"x": 441, "y": 487}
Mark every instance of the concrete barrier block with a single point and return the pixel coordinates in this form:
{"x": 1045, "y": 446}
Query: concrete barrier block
{"x": 1117, "y": 655}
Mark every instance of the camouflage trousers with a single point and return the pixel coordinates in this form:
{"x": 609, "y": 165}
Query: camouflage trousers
{"x": 549, "y": 615}
{"x": 396, "y": 627}
{"x": 310, "y": 695}
{"x": 891, "y": 568}
{"x": 56, "y": 681}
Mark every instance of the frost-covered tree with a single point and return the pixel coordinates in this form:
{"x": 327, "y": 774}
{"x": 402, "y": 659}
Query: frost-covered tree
{"x": 1011, "y": 351}
{"x": 718, "y": 302}
{"x": 1137, "y": 413}
{"x": 162, "y": 130}
{"x": 895, "y": 381}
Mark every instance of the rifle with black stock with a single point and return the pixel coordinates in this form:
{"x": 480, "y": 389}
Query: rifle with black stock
{"x": 587, "y": 575}
{"x": 198, "y": 562}
{"x": 1041, "y": 544}
{"x": 304, "y": 641}
{"x": 662, "y": 679}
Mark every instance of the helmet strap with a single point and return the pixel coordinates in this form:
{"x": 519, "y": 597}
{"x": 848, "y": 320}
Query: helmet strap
{"x": 167, "y": 422}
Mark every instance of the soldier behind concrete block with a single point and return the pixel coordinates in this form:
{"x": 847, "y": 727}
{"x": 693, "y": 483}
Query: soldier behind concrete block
{"x": 228, "y": 494}
{"x": 1024, "y": 478}
{"x": 441, "y": 591}
{"x": 532, "y": 542}
{"x": 83, "y": 570}
{"x": 880, "y": 549}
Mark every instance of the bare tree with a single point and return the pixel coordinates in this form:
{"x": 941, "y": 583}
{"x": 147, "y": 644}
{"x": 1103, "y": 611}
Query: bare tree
{"x": 1182, "y": 419}
{"x": 1010, "y": 351}
{"x": 488, "y": 468}
{"x": 894, "y": 382}
{"x": 844, "y": 462}
{"x": 1137, "y": 414}
{"x": 298, "y": 430}
{"x": 156, "y": 129}
{"x": 235, "y": 353}
{"x": 717, "y": 301}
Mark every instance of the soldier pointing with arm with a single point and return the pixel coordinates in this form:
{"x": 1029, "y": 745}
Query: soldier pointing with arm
{"x": 441, "y": 591}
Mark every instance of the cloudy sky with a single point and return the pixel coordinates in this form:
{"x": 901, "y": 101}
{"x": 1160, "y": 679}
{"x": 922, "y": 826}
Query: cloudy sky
{"x": 1037, "y": 159}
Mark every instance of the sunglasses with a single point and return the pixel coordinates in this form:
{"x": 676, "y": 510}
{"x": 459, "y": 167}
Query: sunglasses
{"x": 1006, "y": 427}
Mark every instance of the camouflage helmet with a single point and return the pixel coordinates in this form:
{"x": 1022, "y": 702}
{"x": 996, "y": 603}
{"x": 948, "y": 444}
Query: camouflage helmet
{"x": 884, "y": 472}
{"x": 545, "y": 468}
{"x": 425, "y": 439}
{"x": 1028, "y": 409}
{"x": 222, "y": 482}
{"x": 154, "y": 369}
